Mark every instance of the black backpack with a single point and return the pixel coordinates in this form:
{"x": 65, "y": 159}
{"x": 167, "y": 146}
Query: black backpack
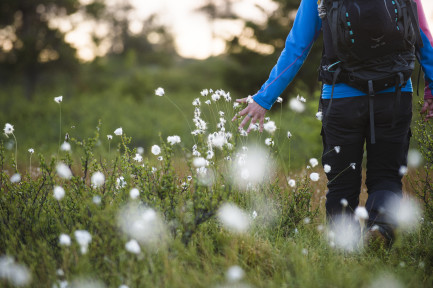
{"x": 369, "y": 44}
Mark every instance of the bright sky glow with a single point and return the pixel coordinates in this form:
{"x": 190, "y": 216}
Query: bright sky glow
{"x": 195, "y": 36}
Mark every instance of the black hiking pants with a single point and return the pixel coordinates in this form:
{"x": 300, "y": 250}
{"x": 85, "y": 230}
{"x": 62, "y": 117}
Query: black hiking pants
{"x": 348, "y": 126}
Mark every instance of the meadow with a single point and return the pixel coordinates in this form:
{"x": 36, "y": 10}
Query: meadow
{"x": 214, "y": 207}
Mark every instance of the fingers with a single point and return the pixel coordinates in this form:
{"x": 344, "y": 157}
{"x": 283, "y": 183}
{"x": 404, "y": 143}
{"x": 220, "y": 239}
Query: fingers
{"x": 252, "y": 124}
{"x": 243, "y": 123}
{"x": 424, "y": 108}
{"x": 262, "y": 123}
{"x": 253, "y": 112}
{"x": 240, "y": 114}
{"x": 429, "y": 115}
{"x": 427, "y": 108}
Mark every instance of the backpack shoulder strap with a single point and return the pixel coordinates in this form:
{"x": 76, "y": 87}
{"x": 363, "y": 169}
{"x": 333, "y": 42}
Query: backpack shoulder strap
{"x": 413, "y": 14}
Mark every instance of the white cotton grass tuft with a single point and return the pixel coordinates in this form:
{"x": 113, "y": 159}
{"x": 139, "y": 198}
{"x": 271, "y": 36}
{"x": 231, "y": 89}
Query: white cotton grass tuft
{"x": 83, "y": 238}
{"x": 156, "y": 150}
{"x": 62, "y": 283}
{"x": 59, "y": 192}
{"x": 251, "y": 167}
{"x": 138, "y": 158}
{"x": 296, "y": 105}
{"x": 196, "y": 102}
{"x": 301, "y": 98}
{"x": 132, "y": 246}
{"x": 16, "y": 274}
{"x": 58, "y": 99}
{"x": 110, "y": 137}
{"x": 344, "y": 202}
{"x": 406, "y": 212}
{"x": 16, "y": 178}
{"x": 199, "y": 162}
{"x": 326, "y": 168}
{"x": 337, "y": 149}
{"x": 386, "y": 280}
{"x": 64, "y": 240}
{"x": 160, "y": 92}
{"x": 97, "y": 199}
{"x": 219, "y": 139}
{"x": 344, "y": 234}
{"x": 361, "y": 213}
{"x": 314, "y": 162}
{"x": 120, "y": 182}
{"x": 9, "y": 129}
{"x": 402, "y": 170}
{"x": 118, "y": 131}
{"x": 31, "y": 150}
{"x": 414, "y": 158}
{"x": 173, "y": 139}
{"x": 65, "y": 146}
{"x": 235, "y": 274}
{"x": 270, "y": 127}
{"x": 314, "y": 176}
{"x": 86, "y": 283}
{"x": 292, "y": 183}
{"x": 233, "y": 218}
{"x": 63, "y": 171}
{"x": 319, "y": 115}
{"x": 134, "y": 193}
{"x": 204, "y": 92}
{"x": 97, "y": 179}
{"x": 269, "y": 142}
{"x": 143, "y": 224}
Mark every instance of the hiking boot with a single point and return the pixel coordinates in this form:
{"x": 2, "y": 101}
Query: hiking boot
{"x": 378, "y": 238}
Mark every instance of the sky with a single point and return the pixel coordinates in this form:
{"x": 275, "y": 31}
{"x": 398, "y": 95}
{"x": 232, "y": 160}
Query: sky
{"x": 194, "y": 33}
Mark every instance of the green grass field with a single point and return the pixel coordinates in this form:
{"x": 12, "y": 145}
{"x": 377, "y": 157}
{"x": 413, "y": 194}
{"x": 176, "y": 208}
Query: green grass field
{"x": 220, "y": 213}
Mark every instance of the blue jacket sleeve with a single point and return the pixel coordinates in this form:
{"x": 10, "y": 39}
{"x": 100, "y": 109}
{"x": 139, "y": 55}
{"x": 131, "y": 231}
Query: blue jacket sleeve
{"x": 305, "y": 30}
{"x": 426, "y": 52}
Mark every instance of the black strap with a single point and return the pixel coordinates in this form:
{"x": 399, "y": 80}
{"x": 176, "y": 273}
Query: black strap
{"x": 398, "y": 85}
{"x": 334, "y": 80}
{"x": 417, "y": 82}
{"x": 404, "y": 8}
{"x": 412, "y": 7}
{"x": 371, "y": 107}
{"x": 333, "y": 25}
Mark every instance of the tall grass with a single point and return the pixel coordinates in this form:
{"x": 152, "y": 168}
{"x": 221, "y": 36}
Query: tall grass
{"x": 274, "y": 232}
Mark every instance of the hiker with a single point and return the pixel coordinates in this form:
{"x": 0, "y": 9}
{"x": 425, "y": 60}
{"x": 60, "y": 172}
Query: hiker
{"x": 369, "y": 54}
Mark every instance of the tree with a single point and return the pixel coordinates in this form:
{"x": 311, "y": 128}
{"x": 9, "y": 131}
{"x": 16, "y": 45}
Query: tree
{"x": 252, "y": 54}
{"x": 30, "y": 45}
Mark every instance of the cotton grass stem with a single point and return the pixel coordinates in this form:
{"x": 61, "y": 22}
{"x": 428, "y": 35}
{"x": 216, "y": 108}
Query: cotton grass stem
{"x": 16, "y": 153}
{"x": 60, "y": 125}
{"x": 351, "y": 165}
{"x": 180, "y": 110}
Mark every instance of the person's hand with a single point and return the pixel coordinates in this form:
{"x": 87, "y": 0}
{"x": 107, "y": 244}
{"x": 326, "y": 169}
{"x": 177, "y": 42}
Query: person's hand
{"x": 253, "y": 112}
{"x": 427, "y": 108}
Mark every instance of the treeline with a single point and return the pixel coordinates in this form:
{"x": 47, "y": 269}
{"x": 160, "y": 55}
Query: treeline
{"x": 117, "y": 87}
